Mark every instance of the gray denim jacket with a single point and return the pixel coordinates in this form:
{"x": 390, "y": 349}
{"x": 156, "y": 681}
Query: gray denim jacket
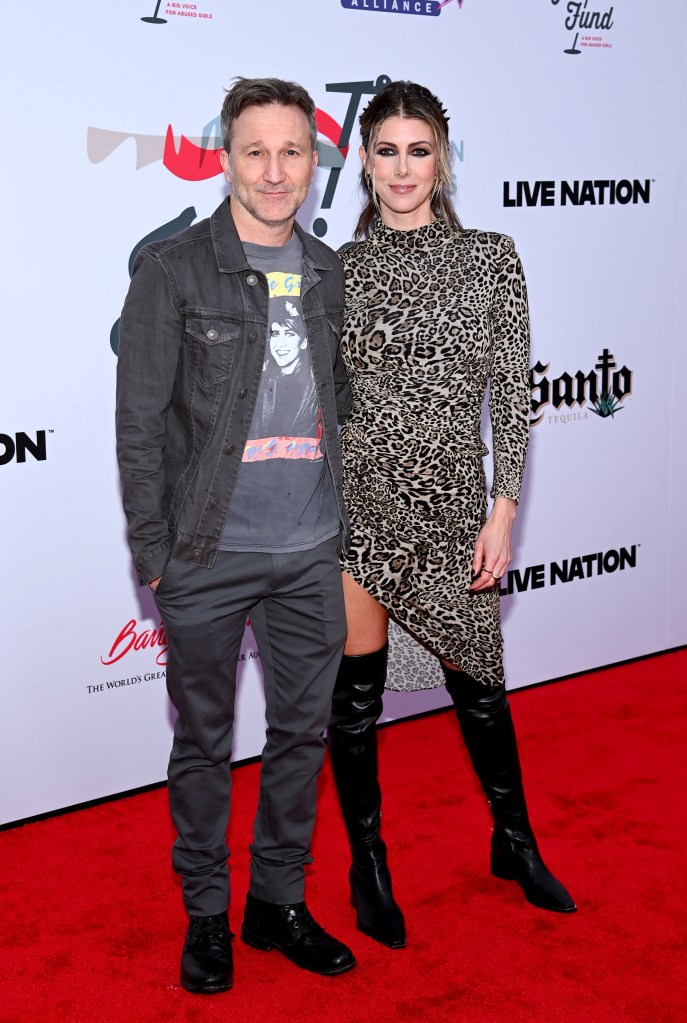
{"x": 191, "y": 348}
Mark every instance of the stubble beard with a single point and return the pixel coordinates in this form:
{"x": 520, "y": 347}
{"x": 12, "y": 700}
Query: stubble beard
{"x": 252, "y": 206}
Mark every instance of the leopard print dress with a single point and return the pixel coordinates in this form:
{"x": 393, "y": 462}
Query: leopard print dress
{"x": 432, "y": 316}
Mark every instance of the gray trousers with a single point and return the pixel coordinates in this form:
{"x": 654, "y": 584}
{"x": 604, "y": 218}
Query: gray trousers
{"x": 295, "y": 603}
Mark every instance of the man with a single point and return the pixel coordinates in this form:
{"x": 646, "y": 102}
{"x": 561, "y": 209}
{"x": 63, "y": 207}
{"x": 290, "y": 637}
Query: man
{"x": 226, "y": 520}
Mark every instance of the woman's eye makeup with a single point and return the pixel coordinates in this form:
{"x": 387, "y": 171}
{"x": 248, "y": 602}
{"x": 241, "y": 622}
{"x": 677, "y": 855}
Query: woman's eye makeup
{"x": 392, "y": 151}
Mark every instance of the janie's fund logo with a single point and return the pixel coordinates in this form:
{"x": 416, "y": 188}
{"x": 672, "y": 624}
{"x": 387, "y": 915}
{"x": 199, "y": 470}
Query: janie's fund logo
{"x": 600, "y": 391}
{"x": 587, "y": 27}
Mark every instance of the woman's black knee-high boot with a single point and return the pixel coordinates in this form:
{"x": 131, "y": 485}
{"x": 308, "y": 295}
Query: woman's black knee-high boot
{"x": 485, "y": 720}
{"x": 352, "y": 742}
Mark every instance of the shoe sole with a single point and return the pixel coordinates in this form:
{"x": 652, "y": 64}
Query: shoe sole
{"x": 507, "y": 875}
{"x": 263, "y": 945}
{"x": 208, "y": 989}
{"x": 396, "y": 943}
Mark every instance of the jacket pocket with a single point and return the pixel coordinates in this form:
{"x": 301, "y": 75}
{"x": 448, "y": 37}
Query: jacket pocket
{"x": 212, "y": 345}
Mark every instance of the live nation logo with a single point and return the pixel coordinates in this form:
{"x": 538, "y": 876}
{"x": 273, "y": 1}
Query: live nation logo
{"x": 588, "y": 26}
{"x": 19, "y": 446}
{"x": 587, "y": 192}
{"x": 568, "y": 570}
{"x": 600, "y": 390}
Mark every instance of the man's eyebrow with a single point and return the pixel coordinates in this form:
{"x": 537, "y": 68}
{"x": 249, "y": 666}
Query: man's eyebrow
{"x": 261, "y": 142}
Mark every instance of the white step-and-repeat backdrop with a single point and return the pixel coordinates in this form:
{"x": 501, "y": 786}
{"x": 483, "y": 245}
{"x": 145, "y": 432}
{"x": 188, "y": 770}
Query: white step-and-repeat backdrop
{"x": 567, "y": 131}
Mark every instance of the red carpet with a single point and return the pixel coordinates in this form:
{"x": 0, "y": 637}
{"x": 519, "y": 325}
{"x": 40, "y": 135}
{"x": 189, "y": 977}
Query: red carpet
{"x": 93, "y": 922}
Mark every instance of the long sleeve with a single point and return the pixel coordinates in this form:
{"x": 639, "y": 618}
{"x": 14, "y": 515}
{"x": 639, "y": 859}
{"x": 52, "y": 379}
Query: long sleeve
{"x": 150, "y": 345}
{"x": 509, "y": 400}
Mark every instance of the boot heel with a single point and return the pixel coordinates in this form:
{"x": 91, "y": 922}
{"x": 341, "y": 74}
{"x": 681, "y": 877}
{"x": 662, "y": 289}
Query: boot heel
{"x": 255, "y": 941}
{"x": 502, "y": 871}
{"x": 502, "y": 862}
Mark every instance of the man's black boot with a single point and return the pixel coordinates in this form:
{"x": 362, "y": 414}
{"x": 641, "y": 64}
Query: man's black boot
{"x": 292, "y": 930}
{"x": 207, "y": 965}
{"x": 486, "y": 723}
{"x": 352, "y": 742}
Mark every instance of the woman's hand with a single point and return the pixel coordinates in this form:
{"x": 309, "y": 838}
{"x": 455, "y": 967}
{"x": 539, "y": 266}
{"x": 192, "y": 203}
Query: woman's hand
{"x": 493, "y": 547}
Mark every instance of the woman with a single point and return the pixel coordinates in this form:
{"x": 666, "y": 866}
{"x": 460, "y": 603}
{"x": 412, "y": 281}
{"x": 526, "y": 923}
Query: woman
{"x": 433, "y": 312}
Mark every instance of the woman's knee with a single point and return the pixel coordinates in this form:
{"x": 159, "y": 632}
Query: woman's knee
{"x": 368, "y": 621}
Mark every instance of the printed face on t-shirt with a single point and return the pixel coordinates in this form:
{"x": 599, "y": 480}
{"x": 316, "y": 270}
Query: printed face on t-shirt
{"x": 286, "y": 344}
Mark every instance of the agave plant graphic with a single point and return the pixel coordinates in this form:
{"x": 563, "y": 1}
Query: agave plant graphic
{"x": 607, "y": 405}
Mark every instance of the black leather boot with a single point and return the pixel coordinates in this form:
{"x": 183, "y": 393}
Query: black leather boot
{"x": 292, "y": 931}
{"x": 207, "y": 966}
{"x": 352, "y": 741}
{"x": 485, "y": 720}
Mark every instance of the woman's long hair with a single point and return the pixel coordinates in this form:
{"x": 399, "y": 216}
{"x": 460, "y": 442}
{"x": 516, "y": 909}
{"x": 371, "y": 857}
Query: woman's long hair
{"x": 407, "y": 99}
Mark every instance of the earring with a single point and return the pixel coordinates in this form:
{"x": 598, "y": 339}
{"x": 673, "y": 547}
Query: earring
{"x": 370, "y": 185}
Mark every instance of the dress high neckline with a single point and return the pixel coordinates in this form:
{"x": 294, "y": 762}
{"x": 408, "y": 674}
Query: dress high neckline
{"x": 426, "y": 237}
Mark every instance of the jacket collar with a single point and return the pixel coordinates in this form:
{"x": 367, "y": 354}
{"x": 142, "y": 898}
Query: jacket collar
{"x": 229, "y": 250}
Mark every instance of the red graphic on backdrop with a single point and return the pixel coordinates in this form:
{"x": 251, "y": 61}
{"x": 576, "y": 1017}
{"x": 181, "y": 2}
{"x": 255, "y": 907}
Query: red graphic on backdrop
{"x": 189, "y": 161}
{"x": 328, "y": 127}
{"x": 129, "y": 639}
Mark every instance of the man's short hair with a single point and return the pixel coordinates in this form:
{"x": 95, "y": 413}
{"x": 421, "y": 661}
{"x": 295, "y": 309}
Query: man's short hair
{"x": 261, "y": 92}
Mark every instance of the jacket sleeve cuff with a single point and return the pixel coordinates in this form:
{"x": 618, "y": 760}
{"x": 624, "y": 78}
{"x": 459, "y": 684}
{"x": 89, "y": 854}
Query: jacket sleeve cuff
{"x": 153, "y": 563}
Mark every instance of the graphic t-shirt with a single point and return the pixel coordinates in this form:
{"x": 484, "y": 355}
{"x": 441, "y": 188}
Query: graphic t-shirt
{"x": 284, "y": 496}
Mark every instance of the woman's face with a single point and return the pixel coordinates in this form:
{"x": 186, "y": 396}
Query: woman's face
{"x": 285, "y": 346}
{"x": 403, "y": 167}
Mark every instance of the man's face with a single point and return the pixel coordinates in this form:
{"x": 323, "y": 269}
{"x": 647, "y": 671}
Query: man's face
{"x": 269, "y": 166}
